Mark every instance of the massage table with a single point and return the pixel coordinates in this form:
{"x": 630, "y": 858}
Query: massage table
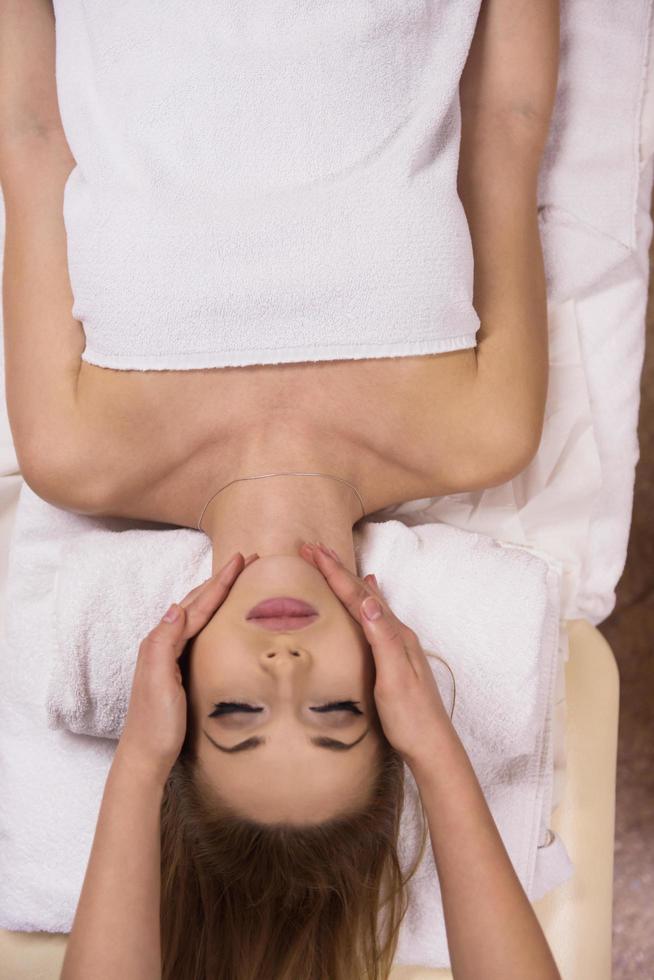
{"x": 576, "y": 916}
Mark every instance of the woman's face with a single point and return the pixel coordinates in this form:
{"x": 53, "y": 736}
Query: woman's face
{"x": 282, "y": 773}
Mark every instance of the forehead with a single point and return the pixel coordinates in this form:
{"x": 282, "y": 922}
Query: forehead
{"x": 298, "y": 776}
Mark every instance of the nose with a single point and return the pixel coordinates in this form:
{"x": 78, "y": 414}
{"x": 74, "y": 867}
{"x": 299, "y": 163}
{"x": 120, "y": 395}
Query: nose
{"x": 288, "y": 667}
{"x": 285, "y": 656}
{"x": 285, "y": 662}
{"x": 284, "y": 653}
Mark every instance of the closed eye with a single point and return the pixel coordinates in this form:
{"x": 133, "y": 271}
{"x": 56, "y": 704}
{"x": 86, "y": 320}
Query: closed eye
{"x": 233, "y": 707}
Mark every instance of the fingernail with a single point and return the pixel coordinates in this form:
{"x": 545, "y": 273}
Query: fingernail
{"x": 371, "y": 608}
{"x": 172, "y": 614}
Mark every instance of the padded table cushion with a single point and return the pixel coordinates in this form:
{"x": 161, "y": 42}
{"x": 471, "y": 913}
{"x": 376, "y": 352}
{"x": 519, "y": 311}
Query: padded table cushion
{"x": 576, "y": 917}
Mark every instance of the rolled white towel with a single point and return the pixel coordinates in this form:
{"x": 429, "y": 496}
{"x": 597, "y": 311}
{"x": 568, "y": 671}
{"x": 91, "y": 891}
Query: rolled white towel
{"x": 481, "y": 608}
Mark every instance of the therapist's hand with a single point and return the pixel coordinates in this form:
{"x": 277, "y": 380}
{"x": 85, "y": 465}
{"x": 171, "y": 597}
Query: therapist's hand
{"x": 408, "y": 701}
{"x": 155, "y": 725}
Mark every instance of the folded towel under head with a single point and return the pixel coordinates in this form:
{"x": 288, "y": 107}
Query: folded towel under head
{"x": 469, "y": 601}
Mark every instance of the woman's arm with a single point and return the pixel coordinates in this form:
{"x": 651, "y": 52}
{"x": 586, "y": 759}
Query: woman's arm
{"x": 510, "y": 78}
{"x": 28, "y": 94}
{"x": 116, "y": 930}
{"x": 507, "y": 93}
{"x": 490, "y": 402}
{"x": 43, "y": 342}
{"x": 492, "y": 929}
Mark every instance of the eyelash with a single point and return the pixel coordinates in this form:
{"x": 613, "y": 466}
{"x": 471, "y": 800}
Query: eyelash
{"x": 231, "y": 707}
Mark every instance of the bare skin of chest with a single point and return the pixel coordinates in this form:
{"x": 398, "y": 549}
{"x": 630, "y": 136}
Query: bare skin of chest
{"x": 171, "y": 438}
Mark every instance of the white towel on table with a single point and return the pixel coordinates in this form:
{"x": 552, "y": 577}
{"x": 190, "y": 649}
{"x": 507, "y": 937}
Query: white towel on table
{"x": 114, "y": 586}
{"x": 491, "y": 610}
{"x": 590, "y": 171}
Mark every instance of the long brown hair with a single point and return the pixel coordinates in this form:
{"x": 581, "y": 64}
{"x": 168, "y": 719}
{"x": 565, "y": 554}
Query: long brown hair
{"x": 243, "y": 900}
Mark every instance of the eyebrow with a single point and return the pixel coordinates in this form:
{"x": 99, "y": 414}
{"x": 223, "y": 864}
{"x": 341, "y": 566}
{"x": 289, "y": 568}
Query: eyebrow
{"x": 321, "y": 740}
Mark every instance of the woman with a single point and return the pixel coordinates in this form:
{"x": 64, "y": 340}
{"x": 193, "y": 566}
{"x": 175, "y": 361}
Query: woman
{"x": 284, "y": 877}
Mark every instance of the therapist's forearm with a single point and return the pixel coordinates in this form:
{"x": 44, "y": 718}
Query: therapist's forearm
{"x": 116, "y": 930}
{"x": 492, "y": 929}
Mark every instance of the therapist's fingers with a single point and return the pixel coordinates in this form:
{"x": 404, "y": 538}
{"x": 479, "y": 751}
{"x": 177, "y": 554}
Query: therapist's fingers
{"x": 196, "y": 609}
{"x": 395, "y": 646}
{"x": 373, "y": 584}
{"x": 349, "y": 588}
{"x": 212, "y": 594}
{"x": 201, "y": 588}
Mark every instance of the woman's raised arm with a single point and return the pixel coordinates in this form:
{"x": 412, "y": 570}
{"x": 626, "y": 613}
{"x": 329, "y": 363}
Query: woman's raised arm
{"x": 507, "y": 92}
{"x": 491, "y": 407}
{"x": 28, "y": 92}
{"x": 510, "y": 79}
{"x": 43, "y": 342}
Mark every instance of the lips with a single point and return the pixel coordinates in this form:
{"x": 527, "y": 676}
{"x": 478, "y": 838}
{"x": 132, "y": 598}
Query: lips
{"x": 282, "y": 613}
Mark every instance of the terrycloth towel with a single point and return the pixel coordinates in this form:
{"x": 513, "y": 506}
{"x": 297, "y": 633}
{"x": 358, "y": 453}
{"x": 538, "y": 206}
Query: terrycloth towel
{"x": 490, "y": 609}
{"x": 265, "y": 182}
{"x": 99, "y": 610}
{"x": 321, "y": 221}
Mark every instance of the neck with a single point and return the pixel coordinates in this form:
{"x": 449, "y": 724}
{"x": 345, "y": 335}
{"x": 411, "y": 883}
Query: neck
{"x": 276, "y": 514}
